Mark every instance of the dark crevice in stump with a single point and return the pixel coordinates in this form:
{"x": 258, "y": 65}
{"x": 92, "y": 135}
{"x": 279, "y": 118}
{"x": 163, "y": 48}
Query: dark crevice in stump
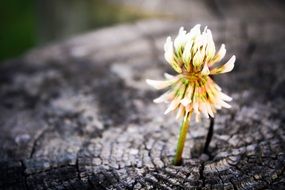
{"x": 209, "y": 137}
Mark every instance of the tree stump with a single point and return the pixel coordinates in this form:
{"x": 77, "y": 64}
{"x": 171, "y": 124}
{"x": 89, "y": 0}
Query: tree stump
{"x": 78, "y": 114}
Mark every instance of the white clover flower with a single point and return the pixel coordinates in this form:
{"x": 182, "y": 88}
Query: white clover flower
{"x": 193, "y": 56}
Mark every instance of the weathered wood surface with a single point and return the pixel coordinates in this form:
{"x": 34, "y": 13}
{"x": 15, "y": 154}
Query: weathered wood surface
{"x": 78, "y": 114}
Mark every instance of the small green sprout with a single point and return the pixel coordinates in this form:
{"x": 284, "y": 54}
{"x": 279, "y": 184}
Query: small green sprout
{"x": 193, "y": 56}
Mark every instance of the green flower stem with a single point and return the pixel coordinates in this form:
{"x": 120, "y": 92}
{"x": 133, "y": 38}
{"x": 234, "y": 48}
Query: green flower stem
{"x": 181, "y": 140}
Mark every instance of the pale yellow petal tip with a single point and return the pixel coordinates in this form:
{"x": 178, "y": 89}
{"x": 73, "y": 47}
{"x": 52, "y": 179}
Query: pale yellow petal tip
{"x": 196, "y": 27}
{"x": 229, "y": 99}
{"x": 157, "y": 101}
{"x": 185, "y": 101}
{"x": 166, "y": 111}
{"x": 222, "y": 51}
{"x": 148, "y": 81}
{"x": 226, "y": 105}
{"x": 168, "y": 43}
{"x": 181, "y": 30}
{"x": 157, "y": 84}
{"x": 168, "y": 40}
{"x": 205, "y": 70}
{"x": 197, "y": 118}
{"x": 160, "y": 99}
{"x": 225, "y": 97}
{"x": 168, "y": 76}
{"x": 230, "y": 64}
{"x": 229, "y": 107}
{"x": 227, "y": 67}
{"x": 152, "y": 83}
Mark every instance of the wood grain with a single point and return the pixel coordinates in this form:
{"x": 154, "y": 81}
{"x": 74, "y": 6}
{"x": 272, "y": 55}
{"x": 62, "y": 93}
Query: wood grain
{"x": 77, "y": 114}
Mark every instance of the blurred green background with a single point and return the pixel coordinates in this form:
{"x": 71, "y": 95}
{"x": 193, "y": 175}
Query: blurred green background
{"x": 18, "y": 27}
{"x": 29, "y": 23}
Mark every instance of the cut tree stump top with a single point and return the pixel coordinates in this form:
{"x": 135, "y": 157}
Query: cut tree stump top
{"x": 78, "y": 114}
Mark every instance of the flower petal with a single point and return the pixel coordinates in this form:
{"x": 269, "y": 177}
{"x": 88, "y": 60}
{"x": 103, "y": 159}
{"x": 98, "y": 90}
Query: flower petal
{"x": 210, "y": 50}
{"x": 197, "y": 117}
{"x": 227, "y": 67}
{"x": 204, "y": 110}
{"x": 169, "y": 55}
{"x": 198, "y": 58}
{"x": 185, "y": 101}
{"x": 158, "y": 84}
{"x": 168, "y": 50}
{"x": 194, "y": 32}
{"x": 188, "y": 96}
{"x": 180, "y": 40}
{"x": 173, "y": 105}
{"x": 219, "y": 56}
{"x": 225, "y": 97}
{"x": 180, "y": 112}
{"x": 209, "y": 110}
{"x": 168, "y": 44}
{"x": 220, "y": 103}
{"x": 176, "y": 67}
{"x": 186, "y": 56}
{"x": 205, "y": 70}
{"x": 162, "y": 98}
{"x": 168, "y": 76}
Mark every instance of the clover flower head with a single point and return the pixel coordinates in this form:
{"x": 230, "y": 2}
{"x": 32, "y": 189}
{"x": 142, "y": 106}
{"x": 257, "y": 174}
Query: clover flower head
{"x": 193, "y": 56}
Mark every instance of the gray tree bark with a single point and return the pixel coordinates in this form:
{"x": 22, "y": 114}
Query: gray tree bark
{"x": 78, "y": 114}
